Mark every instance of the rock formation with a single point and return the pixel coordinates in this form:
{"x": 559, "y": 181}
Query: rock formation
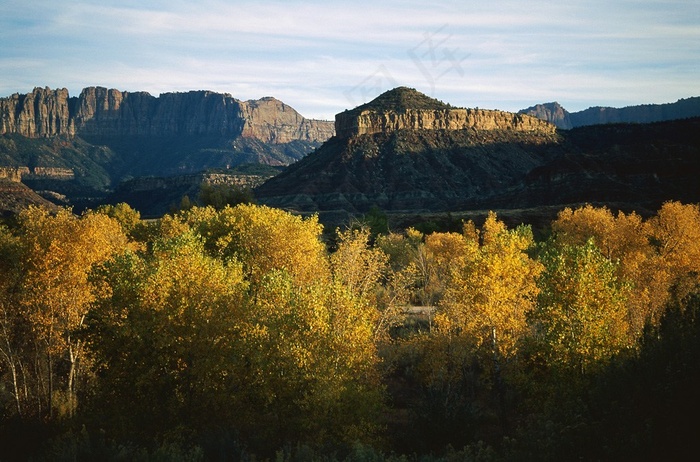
{"x": 100, "y": 112}
{"x": 272, "y": 121}
{"x": 413, "y": 159}
{"x": 405, "y": 151}
{"x": 41, "y": 113}
{"x": 15, "y": 197}
{"x": 404, "y": 108}
{"x": 553, "y": 113}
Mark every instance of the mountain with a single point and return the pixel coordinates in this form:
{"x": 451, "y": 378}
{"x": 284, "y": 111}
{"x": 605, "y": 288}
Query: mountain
{"x": 551, "y": 112}
{"x": 404, "y": 151}
{"x": 102, "y": 112}
{"x": 104, "y": 136}
{"x": 646, "y": 113}
{"x": 430, "y": 157}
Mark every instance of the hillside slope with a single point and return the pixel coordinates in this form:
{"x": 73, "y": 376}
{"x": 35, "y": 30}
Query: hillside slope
{"x": 409, "y": 159}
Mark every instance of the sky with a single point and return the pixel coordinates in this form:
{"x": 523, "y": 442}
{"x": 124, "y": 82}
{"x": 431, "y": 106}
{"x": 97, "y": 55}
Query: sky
{"x": 322, "y": 57}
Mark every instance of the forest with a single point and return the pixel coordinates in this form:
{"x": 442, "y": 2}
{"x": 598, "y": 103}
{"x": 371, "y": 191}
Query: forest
{"x": 249, "y": 333}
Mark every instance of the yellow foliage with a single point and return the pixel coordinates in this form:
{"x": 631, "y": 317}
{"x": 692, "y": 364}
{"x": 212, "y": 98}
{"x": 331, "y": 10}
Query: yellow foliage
{"x": 263, "y": 239}
{"x": 492, "y": 290}
{"x": 653, "y": 256}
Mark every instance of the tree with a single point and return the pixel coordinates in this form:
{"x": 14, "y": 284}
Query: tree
{"x": 12, "y": 325}
{"x": 675, "y": 234}
{"x": 365, "y": 272}
{"x": 51, "y": 295}
{"x": 490, "y": 294}
{"x": 263, "y": 239}
{"x": 654, "y": 256}
{"x": 580, "y": 319}
{"x": 163, "y": 335}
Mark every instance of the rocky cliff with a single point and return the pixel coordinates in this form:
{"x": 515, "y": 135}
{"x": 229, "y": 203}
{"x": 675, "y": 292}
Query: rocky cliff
{"x": 553, "y": 113}
{"x": 405, "y": 108}
{"x": 272, "y": 121}
{"x": 100, "y": 112}
{"x": 41, "y": 113}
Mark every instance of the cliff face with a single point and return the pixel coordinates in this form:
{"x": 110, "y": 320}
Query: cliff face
{"x": 100, "y": 111}
{"x": 42, "y": 113}
{"x": 272, "y": 121}
{"x": 348, "y": 124}
{"x": 553, "y": 113}
{"x": 405, "y": 151}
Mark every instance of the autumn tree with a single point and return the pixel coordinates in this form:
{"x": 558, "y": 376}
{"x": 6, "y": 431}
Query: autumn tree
{"x": 675, "y": 234}
{"x": 263, "y": 239}
{"x": 580, "y": 319}
{"x": 365, "y": 271}
{"x": 162, "y": 333}
{"x": 490, "y": 295}
{"x": 13, "y": 327}
{"x": 222, "y": 317}
{"x": 51, "y": 293}
{"x": 654, "y": 256}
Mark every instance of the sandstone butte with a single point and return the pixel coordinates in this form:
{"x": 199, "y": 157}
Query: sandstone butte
{"x": 405, "y": 108}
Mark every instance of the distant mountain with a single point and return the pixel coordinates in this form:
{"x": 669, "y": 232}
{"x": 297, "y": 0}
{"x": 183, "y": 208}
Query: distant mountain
{"x": 432, "y": 158}
{"x": 102, "y": 112}
{"x": 104, "y": 136}
{"x": 646, "y": 113}
{"x": 551, "y": 112}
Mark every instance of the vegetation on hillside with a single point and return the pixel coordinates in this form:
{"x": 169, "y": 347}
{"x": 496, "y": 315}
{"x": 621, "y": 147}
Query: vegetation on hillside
{"x": 240, "y": 333}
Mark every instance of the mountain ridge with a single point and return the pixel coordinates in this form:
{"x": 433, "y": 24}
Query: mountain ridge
{"x": 99, "y": 111}
{"x": 406, "y": 108}
{"x": 597, "y": 115}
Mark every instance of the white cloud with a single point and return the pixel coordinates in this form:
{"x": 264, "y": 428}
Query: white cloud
{"x": 322, "y": 57}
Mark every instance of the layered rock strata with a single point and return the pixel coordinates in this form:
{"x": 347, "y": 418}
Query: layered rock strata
{"x": 369, "y": 121}
{"x": 99, "y": 111}
{"x": 49, "y": 173}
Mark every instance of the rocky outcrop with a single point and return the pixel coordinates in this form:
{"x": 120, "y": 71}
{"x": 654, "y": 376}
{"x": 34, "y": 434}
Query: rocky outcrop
{"x": 553, "y": 113}
{"x": 407, "y": 109}
{"x": 272, "y": 121}
{"x": 405, "y": 151}
{"x": 13, "y": 173}
{"x": 99, "y": 111}
{"x": 15, "y": 197}
{"x": 410, "y": 160}
{"x": 41, "y": 113}
{"x": 46, "y": 173}
{"x": 370, "y": 121}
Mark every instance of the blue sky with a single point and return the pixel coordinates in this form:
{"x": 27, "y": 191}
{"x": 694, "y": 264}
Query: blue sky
{"x": 322, "y": 57}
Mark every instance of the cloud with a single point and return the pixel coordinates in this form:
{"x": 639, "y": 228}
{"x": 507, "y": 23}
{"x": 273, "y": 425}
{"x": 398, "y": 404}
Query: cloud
{"x": 322, "y": 57}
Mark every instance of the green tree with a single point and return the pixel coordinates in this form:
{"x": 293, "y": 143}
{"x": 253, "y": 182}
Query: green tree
{"x": 580, "y": 318}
